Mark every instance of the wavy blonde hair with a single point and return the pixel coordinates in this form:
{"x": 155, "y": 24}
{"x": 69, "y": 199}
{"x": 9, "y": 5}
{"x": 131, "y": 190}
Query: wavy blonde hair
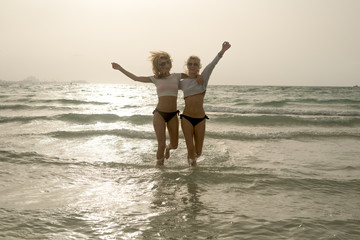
{"x": 197, "y": 60}
{"x": 155, "y": 58}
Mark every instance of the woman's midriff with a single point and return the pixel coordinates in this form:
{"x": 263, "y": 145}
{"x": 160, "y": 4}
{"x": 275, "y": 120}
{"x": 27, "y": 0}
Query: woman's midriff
{"x": 167, "y": 104}
{"x": 194, "y": 106}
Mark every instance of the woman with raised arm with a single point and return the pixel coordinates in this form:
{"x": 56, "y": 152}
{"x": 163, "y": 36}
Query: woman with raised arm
{"x": 193, "y": 117}
{"x": 165, "y": 113}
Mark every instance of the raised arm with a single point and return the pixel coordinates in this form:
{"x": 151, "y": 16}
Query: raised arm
{"x": 130, "y": 75}
{"x": 210, "y": 67}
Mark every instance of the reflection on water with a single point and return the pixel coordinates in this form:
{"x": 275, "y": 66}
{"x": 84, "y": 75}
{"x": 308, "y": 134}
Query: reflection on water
{"x": 177, "y": 200}
{"x": 146, "y": 204}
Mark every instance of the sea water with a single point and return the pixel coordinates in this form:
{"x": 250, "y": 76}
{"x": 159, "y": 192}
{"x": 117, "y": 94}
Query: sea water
{"x": 77, "y": 161}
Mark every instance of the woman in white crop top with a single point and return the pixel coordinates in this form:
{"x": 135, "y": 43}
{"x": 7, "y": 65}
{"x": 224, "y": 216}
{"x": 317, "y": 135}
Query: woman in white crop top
{"x": 193, "y": 117}
{"x": 165, "y": 114}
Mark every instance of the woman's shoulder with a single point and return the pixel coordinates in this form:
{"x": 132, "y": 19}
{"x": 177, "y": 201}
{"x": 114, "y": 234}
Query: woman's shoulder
{"x": 189, "y": 79}
{"x": 153, "y": 78}
{"x": 176, "y": 76}
{"x": 189, "y": 82}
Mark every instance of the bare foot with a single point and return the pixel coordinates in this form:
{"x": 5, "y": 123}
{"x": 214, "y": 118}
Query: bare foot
{"x": 192, "y": 162}
{"x": 167, "y": 151}
{"x": 160, "y": 162}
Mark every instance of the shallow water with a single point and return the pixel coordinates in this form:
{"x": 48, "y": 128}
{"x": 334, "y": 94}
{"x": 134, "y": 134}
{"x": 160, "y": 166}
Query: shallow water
{"x": 77, "y": 162}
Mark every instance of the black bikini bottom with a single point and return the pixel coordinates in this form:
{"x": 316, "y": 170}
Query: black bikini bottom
{"x": 167, "y": 116}
{"x": 193, "y": 121}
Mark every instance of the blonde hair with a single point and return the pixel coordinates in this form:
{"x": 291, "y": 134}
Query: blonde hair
{"x": 155, "y": 59}
{"x": 197, "y": 60}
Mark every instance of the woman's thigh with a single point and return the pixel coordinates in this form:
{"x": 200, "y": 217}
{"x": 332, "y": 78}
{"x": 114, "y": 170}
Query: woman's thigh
{"x": 173, "y": 128}
{"x": 160, "y": 128}
{"x": 188, "y": 131}
{"x": 199, "y": 135}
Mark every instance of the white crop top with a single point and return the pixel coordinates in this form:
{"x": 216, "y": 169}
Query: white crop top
{"x": 168, "y": 86}
{"x": 191, "y": 87}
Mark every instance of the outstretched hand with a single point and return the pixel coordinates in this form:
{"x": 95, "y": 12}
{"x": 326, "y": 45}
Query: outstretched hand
{"x": 225, "y": 46}
{"x": 115, "y": 66}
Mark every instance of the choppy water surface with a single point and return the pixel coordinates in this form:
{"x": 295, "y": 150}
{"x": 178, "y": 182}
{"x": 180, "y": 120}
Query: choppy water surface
{"x": 77, "y": 162}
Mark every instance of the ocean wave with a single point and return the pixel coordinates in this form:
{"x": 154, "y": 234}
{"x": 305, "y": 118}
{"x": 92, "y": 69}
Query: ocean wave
{"x": 327, "y": 101}
{"x": 233, "y": 119}
{"x": 307, "y": 101}
{"x": 249, "y": 179}
{"x": 230, "y": 135}
{"x": 258, "y": 181}
{"x": 16, "y": 157}
{"x": 82, "y": 118}
{"x": 106, "y": 118}
{"x": 87, "y": 118}
{"x": 138, "y": 119}
{"x": 22, "y": 119}
{"x": 69, "y": 101}
{"x": 280, "y": 103}
{"x": 281, "y": 111}
{"x": 28, "y": 158}
{"x": 295, "y": 135}
{"x": 283, "y": 120}
{"x": 56, "y": 101}
{"x": 284, "y": 102}
{"x": 127, "y": 133}
{"x": 15, "y": 107}
{"x": 331, "y": 186}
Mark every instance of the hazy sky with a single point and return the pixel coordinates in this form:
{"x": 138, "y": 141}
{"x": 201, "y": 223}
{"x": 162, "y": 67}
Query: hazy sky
{"x": 274, "y": 42}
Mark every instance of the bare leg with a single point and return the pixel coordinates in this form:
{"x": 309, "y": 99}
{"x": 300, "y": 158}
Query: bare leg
{"x": 173, "y": 129}
{"x": 199, "y": 135}
{"x": 159, "y": 127}
{"x": 188, "y": 131}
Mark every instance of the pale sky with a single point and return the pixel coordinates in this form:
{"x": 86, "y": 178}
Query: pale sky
{"x": 274, "y": 42}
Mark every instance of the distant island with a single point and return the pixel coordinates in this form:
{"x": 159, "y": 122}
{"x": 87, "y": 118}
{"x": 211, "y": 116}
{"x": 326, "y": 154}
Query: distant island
{"x": 35, "y": 80}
